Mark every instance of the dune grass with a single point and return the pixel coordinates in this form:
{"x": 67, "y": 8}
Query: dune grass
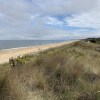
{"x": 69, "y": 72}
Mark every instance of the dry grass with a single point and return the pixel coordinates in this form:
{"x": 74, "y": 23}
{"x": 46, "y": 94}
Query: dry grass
{"x": 70, "y": 72}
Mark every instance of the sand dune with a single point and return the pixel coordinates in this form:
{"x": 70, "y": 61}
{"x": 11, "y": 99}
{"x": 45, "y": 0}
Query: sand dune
{"x": 6, "y": 54}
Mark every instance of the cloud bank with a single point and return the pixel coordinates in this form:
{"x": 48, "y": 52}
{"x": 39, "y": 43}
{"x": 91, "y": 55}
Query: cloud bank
{"x": 46, "y": 19}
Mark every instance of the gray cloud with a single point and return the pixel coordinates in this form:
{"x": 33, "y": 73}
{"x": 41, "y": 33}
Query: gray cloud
{"x": 63, "y": 7}
{"x": 28, "y": 19}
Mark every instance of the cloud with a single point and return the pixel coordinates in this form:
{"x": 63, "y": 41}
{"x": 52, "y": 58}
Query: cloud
{"x": 63, "y": 7}
{"x": 84, "y": 20}
{"x": 46, "y": 19}
{"x": 54, "y": 21}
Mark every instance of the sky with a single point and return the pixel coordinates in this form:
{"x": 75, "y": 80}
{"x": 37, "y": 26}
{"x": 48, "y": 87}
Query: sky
{"x": 49, "y": 19}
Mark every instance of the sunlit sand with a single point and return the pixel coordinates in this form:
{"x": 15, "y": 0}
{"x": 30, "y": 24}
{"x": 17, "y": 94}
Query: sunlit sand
{"x": 8, "y": 53}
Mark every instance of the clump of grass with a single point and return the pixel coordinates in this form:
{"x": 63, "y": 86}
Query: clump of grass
{"x": 70, "y": 72}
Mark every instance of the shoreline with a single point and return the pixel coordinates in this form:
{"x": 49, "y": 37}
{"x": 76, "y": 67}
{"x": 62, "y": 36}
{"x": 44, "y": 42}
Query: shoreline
{"x": 16, "y": 48}
{"x": 5, "y": 54}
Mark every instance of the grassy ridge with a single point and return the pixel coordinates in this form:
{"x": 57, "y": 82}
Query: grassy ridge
{"x": 70, "y": 72}
{"x": 93, "y": 40}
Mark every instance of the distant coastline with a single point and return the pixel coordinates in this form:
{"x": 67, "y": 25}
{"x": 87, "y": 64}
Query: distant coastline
{"x": 16, "y": 44}
{"x": 15, "y": 52}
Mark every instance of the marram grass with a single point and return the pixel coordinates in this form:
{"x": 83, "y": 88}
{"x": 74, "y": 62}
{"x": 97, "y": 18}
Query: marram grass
{"x": 69, "y": 72}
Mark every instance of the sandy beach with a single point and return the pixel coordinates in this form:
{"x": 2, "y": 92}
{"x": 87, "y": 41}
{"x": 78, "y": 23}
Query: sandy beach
{"x": 15, "y": 52}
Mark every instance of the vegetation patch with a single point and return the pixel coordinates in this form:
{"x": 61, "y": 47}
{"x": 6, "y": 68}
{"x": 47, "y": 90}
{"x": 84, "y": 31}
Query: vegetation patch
{"x": 69, "y": 72}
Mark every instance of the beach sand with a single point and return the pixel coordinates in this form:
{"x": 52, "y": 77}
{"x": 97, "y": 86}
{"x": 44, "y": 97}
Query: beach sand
{"x": 15, "y": 52}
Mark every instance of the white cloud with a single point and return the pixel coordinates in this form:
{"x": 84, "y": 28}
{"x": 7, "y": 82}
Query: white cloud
{"x": 54, "y": 21}
{"x": 27, "y": 19}
{"x": 84, "y": 20}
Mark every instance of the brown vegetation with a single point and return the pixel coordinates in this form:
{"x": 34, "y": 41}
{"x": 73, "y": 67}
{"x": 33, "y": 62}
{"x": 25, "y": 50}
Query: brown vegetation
{"x": 70, "y": 72}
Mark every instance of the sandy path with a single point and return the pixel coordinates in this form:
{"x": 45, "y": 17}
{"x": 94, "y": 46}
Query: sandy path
{"x": 6, "y": 54}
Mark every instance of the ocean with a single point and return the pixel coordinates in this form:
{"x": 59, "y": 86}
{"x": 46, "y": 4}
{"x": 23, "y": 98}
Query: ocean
{"x": 8, "y": 44}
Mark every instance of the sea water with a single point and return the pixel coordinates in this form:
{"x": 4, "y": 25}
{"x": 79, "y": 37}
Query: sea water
{"x": 8, "y": 44}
